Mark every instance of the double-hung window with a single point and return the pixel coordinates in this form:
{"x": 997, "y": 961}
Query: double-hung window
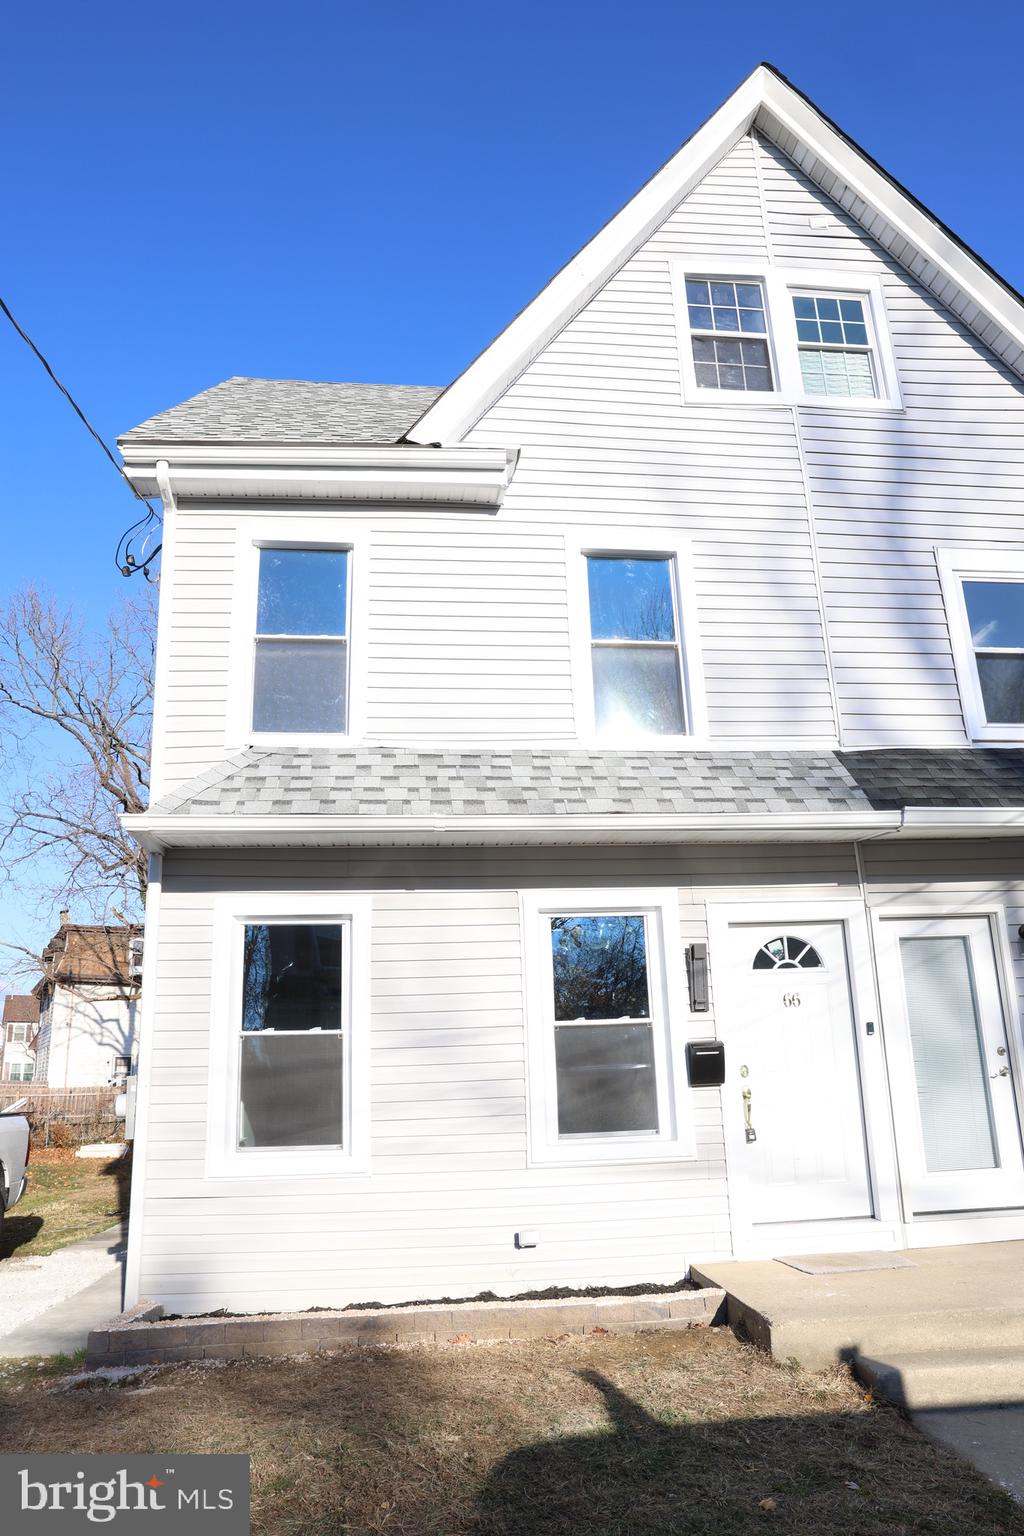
{"x": 601, "y": 1069}
{"x": 635, "y": 645}
{"x": 984, "y": 598}
{"x": 770, "y": 336}
{"x": 301, "y": 663}
{"x": 291, "y": 1072}
{"x": 834, "y": 345}
{"x": 289, "y": 1046}
{"x": 728, "y": 334}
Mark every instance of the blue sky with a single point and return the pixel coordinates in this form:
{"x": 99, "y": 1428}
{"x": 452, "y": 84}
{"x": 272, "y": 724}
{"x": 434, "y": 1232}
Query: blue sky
{"x": 331, "y": 191}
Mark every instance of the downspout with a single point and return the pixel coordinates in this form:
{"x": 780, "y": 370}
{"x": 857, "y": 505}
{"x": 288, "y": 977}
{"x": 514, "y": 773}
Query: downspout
{"x": 146, "y": 1016}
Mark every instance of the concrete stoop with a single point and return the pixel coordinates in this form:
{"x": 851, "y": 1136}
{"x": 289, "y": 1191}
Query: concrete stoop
{"x": 946, "y": 1378}
{"x": 945, "y": 1330}
{"x": 143, "y": 1336}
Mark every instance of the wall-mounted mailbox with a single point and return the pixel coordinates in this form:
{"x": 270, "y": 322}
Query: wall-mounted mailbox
{"x": 697, "y": 976}
{"x": 705, "y": 1063}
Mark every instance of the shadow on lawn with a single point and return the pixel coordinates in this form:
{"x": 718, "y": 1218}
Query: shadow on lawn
{"x": 798, "y": 1476}
{"x": 17, "y": 1231}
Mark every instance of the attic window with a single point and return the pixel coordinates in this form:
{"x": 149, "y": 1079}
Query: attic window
{"x": 834, "y": 344}
{"x": 728, "y": 334}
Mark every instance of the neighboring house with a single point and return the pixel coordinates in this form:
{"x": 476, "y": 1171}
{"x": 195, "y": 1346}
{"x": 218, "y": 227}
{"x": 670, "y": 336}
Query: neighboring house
{"x": 88, "y": 998}
{"x": 18, "y": 1042}
{"x": 660, "y": 681}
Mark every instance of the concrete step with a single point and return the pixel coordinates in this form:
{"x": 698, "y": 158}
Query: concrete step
{"x": 951, "y": 1299}
{"x": 946, "y": 1378}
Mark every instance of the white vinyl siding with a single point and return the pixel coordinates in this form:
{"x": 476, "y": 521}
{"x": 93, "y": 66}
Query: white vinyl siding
{"x": 468, "y": 624}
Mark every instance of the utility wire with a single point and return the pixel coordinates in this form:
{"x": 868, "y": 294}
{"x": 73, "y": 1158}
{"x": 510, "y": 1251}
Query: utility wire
{"x": 153, "y": 516}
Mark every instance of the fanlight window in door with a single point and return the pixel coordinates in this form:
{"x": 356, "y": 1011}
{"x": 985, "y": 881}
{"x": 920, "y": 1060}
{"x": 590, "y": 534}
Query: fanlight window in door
{"x": 787, "y": 953}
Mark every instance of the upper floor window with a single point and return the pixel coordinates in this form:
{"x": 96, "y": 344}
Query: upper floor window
{"x": 17, "y": 1033}
{"x": 636, "y": 656}
{"x": 728, "y": 334}
{"x": 833, "y": 343}
{"x": 995, "y": 612}
{"x": 300, "y": 676}
{"x": 984, "y": 598}
{"x": 790, "y": 336}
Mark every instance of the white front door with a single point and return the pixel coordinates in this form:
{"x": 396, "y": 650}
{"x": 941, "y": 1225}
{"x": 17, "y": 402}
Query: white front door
{"x": 950, "y": 1070}
{"x": 799, "y": 1143}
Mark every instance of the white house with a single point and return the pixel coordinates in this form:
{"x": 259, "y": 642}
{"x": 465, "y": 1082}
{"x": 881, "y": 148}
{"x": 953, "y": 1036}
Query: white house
{"x": 87, "y": 998}
{"x": 18, "y": 1038}
{"x": 659, "y": 681}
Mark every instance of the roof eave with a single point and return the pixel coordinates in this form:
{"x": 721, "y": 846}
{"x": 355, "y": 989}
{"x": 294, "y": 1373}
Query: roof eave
{"x": 211, "y": 471}
{"x": 157, "y": 833}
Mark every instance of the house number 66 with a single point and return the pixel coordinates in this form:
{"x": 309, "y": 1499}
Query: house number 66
{"x": 791, "y": 1000}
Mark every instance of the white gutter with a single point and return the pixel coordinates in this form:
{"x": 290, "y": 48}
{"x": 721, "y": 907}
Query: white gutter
{"x": 461, "y": 475}
{"x": 181, "y": 831}
{"x": 157, "y": 832}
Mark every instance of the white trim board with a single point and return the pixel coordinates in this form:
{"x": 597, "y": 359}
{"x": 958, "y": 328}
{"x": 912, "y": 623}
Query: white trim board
{"x": 765, "y": 99}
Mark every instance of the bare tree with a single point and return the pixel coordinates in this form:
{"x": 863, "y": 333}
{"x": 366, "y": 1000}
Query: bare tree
{"x": 80, "y": 703}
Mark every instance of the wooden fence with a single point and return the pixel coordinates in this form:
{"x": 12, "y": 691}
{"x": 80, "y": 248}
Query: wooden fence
{"x": 66, "y": 1116}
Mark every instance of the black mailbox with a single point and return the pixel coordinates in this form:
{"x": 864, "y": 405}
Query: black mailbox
{"x": 705, "y": 1063}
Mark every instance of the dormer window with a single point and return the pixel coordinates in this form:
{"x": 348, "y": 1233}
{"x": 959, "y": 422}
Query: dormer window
{"x": 300, "y": 672}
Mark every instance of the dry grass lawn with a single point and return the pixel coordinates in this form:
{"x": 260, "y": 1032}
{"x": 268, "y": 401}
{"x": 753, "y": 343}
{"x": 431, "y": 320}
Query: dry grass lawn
{"x": 67, "y": 1198}
{"x": 671, "y": 1434}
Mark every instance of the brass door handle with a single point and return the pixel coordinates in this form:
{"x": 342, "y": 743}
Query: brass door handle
{"x": 748, "y": 1128}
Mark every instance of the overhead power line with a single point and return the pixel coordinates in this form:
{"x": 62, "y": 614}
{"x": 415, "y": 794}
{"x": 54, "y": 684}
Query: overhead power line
{"x": 126, "y": 562}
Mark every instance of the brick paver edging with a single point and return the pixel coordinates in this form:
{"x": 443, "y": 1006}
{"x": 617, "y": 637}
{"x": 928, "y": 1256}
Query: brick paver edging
{"x": 142, "y": 1336}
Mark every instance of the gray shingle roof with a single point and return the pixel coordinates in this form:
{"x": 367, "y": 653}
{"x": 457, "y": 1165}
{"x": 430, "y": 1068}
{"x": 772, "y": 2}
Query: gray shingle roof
{"x": 289, "y": 411}
{"x": 386, "y": 781}
{"x": 382, "y": 781}
{"x": 975, "y": 776}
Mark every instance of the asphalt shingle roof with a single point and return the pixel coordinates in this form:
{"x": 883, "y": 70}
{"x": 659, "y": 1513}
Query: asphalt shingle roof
{"x": 378, "y": 781}
{"x": 972, "y": 776}
{"x": 289, "y": 411}
{"x": 386, "y": 781}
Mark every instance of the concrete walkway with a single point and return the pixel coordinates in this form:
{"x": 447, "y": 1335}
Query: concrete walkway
{"x": 63, "y": 1328}
{"x": 939, "y": 1331}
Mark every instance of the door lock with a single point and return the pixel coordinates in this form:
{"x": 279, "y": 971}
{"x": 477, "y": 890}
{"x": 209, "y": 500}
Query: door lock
{"x": 748, "y": 1129}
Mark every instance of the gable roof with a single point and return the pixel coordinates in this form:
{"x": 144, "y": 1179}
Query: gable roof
{"x": 289, "y": 411}
{"x": 21, "y": 1009}
{"x": 767, "y": 103}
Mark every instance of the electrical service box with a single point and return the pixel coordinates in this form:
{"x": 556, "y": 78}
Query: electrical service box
{"x": 705, "y": 1063}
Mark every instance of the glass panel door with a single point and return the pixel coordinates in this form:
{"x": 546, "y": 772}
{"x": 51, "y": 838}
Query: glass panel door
{"x": 952, "y": 1084}
{"x": 950, "y": 1066}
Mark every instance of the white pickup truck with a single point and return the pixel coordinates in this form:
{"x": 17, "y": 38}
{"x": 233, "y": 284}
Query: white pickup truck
{"x": 15, "y": 1146}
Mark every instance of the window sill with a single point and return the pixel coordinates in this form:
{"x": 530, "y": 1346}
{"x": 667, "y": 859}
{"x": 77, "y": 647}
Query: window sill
{"x": 776, "y": 401}
{"x": 998, "y": 736}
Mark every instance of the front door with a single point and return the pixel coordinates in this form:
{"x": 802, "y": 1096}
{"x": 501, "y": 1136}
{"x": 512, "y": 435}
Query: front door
{"x": 793, "y": 1072}
{"x": 951, "y": 1074}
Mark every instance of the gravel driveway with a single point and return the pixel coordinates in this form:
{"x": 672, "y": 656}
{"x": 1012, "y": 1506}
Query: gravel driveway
{"x": 30, "y": 1286}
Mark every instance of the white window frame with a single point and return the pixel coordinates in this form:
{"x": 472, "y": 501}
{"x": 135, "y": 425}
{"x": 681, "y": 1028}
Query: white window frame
{"x": 780, "y": 285}
{"x": 955, "y": 567}
{"x": 16, "y": 1038}
{"x": 295, "y": 533}
{"x": 676, "y": 1136}
{"x": 633, "y": 544}
{"x": 224, "y": 1157}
